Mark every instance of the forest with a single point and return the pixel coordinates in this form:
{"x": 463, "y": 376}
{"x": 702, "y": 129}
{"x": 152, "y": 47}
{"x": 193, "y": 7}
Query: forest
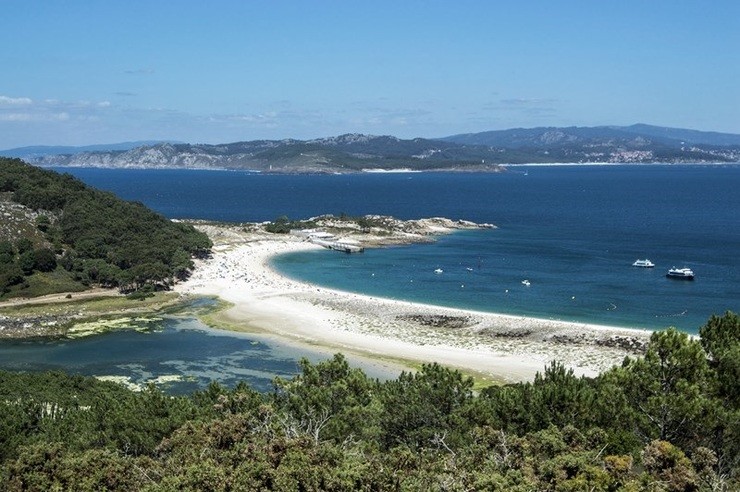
{"x": 668, "y": 421}
{"x": 85, "y": 237}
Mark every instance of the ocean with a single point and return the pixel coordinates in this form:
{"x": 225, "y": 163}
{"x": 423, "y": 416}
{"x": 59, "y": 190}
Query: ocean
{"x": 571, "y": 231}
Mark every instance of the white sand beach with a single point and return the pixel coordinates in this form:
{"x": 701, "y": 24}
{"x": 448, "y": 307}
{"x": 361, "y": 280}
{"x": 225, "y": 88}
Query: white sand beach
{"x": 504, "y": 348}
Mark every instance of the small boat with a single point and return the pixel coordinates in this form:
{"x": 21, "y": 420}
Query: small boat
{"x": 438, "y": 271}
{"x": 469, "y": 269}
{"x": 643, "y": 263}
{"x": 680, "y": 273}
{"x": 526, "y": 282}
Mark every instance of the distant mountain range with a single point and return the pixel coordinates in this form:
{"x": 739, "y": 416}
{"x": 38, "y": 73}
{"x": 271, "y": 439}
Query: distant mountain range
{"x": 43, "y": 150}
{"x": 357, "y": 152}
{"x": 632, "y": 136}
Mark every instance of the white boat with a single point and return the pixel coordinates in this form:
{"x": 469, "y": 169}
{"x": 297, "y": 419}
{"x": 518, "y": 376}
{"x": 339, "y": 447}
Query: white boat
{"x": 643, "y": 263}
{"x": 526, "y": 282}
{"x": 680, "y": 273}
{"x": 438, "y": 271}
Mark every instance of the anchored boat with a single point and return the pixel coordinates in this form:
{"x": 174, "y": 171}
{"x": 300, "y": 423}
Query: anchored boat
{"x": 680, "y": 273}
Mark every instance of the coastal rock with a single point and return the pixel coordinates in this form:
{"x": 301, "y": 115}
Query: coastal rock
{"x": 378, "y": 230}
{"x": 439, "y": 320}
{"x": 32, "y": 326}
{"x": 516, "y": 333}
{"x": 630, "y": 344}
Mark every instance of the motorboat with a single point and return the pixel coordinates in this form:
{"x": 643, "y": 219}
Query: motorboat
{"x": 643, "y": 263}
{"x": 680, "y": 273}
{"x": 526, "y": 283}
{"x": 438, "y": 271}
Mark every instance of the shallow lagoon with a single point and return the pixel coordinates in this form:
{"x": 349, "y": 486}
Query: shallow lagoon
{"x": 179, "y": 355}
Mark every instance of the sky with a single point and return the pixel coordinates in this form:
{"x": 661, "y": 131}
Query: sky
{"x": 94, "y": 72}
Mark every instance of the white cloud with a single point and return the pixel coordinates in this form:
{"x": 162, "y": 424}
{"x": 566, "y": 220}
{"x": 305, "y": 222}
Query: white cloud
{"x": 15, "y": 117}
{"x": 15, "y": 101}
{"x": 20, "y": 109}
{"x": 34, "y": 116}
{"x": 139, "y": 71}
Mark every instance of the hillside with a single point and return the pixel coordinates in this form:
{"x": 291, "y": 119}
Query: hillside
{"x": 345, "y": 153}
{"x": 58, "y": 234}
{"x": 42, "y": 150}
{"x": 483, "y": 151}
{"x": 636, "y": 143}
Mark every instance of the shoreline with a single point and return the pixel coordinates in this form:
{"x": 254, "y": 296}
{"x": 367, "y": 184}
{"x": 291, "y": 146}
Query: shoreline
{"x": 501, "y": 347}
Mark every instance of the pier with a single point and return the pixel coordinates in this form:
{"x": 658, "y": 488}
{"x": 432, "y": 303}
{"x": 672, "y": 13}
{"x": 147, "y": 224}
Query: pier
{"x": 329, "y": 241}
{"x": 339, "y": 246}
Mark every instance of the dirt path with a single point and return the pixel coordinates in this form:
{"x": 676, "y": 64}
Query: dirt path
{"x": 61, "y": 297}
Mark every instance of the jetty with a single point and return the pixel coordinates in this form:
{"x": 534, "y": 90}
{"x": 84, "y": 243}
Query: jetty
{"x": 329, "y": 241}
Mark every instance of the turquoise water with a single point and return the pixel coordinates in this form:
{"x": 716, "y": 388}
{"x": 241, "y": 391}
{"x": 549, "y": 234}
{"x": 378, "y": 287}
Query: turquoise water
{"x": 585, "y": 286}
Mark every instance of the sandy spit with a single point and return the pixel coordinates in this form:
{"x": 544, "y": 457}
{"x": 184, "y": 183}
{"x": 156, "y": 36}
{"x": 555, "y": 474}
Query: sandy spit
{"x": 505, "y": 348}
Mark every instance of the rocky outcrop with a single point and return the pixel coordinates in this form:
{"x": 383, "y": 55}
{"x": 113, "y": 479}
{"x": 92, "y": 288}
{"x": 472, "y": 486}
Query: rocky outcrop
{"x": 17, "y": 221}
{"x": 382, "y": 230}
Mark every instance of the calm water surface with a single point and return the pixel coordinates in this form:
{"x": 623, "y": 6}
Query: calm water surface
{"x": 183, "y": 353}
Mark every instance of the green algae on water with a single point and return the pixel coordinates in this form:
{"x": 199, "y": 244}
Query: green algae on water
{"x": 88, "y": 328}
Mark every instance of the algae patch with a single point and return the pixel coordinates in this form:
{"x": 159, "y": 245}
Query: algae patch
{"x": 122, "y": 380}
{"x": 87, "y": 328}
{"x": 130, "y": 384}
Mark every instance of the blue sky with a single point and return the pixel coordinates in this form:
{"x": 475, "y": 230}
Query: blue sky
{"x": 88, "y": 72}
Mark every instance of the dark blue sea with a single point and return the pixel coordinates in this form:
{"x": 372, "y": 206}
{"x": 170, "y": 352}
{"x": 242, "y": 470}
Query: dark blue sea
{"x": 571, "y": 231}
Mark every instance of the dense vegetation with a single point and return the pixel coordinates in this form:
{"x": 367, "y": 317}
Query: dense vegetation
{"x": 667, "y": 422}
{"x": 89, "y": 237}
{"x": 283, "y": 224}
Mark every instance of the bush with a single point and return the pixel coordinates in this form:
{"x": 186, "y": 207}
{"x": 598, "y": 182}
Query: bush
{"x": 44, "y": 260}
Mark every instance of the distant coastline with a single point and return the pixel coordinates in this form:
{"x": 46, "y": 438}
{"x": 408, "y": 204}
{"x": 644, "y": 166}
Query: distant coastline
{"x": 352, "y": 152}
{"x": 618, "y": 164}
{"x": 500, "y": 168}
